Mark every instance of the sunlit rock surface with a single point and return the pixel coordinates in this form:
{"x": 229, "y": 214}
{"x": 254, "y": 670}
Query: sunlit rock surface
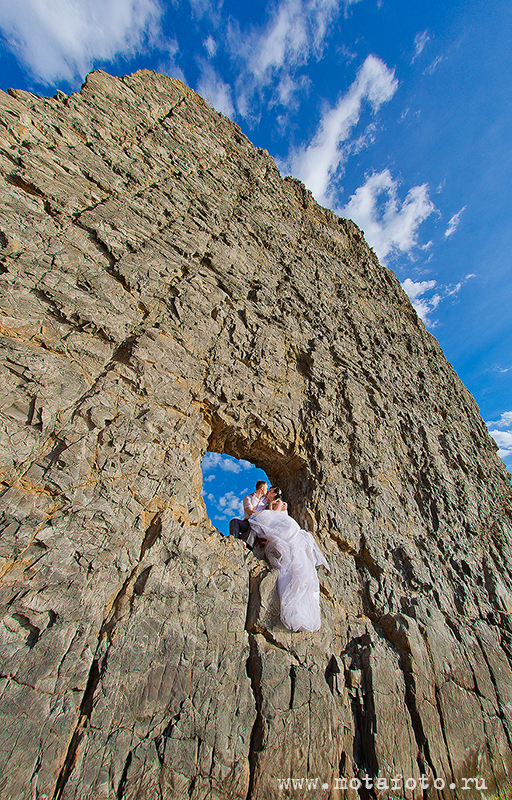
{"x": 165, "y": 292}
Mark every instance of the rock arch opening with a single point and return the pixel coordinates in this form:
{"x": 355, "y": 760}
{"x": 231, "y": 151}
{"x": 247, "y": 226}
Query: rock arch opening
{"x": 226, "y": 480}
{"x": 279, "y": 464}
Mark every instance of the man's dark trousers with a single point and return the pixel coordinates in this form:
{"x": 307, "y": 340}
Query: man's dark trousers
{"x": 238, "y": 526}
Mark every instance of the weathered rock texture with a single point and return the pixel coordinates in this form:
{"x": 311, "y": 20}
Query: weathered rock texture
{"x": 164, "y": 293}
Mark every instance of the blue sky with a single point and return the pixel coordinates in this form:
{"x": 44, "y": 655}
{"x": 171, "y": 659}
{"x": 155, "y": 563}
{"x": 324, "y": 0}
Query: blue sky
{"x": 226, "y": 481}
{"x": 394, "y": 113}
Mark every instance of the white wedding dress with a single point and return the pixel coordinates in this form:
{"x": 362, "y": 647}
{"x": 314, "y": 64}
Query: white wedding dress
{"x": 296, "y": 555}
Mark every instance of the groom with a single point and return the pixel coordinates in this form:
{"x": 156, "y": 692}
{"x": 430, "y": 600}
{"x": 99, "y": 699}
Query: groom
{"x": 259, "y": 500}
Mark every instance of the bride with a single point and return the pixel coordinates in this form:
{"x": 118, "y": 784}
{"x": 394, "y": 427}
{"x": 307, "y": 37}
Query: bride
{"x": 296, "y": 555}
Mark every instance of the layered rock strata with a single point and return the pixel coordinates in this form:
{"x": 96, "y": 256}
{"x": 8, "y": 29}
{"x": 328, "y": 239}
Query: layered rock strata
{"x": 164, "y": 292}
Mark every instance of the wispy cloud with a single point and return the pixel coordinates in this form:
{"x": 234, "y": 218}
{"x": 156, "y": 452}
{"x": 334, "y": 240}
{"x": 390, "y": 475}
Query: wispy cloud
{"x": 226, "y": 506}
{"x": 455, "y": 288}
{"x": 214, "y": 90}
{"x": 319, "y": 163}
{"x": 420, "y": 40}
{"x": 61, "y": 39}
{"x": 212, "y": 461}
{"x": 433, "y": 66}
{"x": 504, "y": 441}
{"x": 231, "y": 504}
{"x": 390, "y": 226}
{"x": 502, "y": 436}
{"x": 210, "y": 45}
{"x": 423, "y": 305}
{"x": 453, "y": 223}
{"x": 425, "y": 300}
{"x": 505, "y": 421}
{"x": 168, "y": 64}
{"x": 202, "y": 8}
{"x": 295, "y": 33}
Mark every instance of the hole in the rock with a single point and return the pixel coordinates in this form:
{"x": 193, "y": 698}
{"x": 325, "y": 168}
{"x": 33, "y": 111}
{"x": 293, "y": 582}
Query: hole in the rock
{"x": 226, "y": 481}
{"x": 244, "y": 461}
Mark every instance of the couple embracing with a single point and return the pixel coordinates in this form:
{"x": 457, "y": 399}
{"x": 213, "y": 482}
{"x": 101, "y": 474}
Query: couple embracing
{"x": 290, "y": 550}
{"x": 261, "y": 499}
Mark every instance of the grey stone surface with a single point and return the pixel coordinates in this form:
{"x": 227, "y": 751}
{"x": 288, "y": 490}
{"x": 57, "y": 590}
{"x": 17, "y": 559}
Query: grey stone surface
{"x": 164, "y": 292}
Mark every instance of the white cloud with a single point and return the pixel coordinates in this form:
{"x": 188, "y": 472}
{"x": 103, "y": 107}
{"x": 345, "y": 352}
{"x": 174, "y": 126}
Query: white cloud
{"x": 415, "y": 290}
{"x": 319, "y": 162}
{"x": 61, "y": 39}
{"x": 169, "y": 66}
{"x": 211, "y": 461}
{"x": 214, "y": 90}
{"x": 420, "y": 40}
{"x": 288, "y": 90}
{"x": 210, "y": 45}
{"x": 505, "y": 421}
{"x": 214, "y": 461}
{"x": 202, "y": 8}
{"x": 433, "y": 66}
{"x": 504, "y": 441}
{"x": 453, "y": 223}
{"x": 348, "y": 3}
{"x": 452, "y": 290}
{"x": 230, "y": 504}
{"x": 424, "y": 305}
{"x": 297, "y": 29}
{"x": 295, "y": 33}
{"x": 390, "y": 226}
{"x": 229, "y": 465}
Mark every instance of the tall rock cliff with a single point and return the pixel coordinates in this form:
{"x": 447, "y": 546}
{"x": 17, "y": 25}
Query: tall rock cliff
{"x": 164, "y": 292}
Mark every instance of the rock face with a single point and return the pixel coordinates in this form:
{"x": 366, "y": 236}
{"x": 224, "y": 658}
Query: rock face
{"x": 164, "y": 293}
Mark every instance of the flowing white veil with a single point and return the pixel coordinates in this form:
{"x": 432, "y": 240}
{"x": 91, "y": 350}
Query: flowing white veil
{"x": 296, "y": 555}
